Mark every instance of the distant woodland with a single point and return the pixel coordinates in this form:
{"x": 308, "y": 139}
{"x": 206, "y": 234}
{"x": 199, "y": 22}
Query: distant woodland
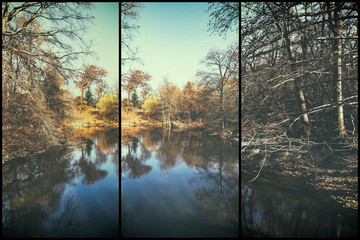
{"x": 299, "y": 71}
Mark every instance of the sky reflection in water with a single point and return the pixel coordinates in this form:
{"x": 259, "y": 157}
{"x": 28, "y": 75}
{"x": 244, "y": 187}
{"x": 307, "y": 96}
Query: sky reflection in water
{"x": 181, "y": 184}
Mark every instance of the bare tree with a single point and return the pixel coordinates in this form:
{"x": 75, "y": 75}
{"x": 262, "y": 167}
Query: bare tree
{"x": 222, "y": 67}
{"x": 129, "y": 13}
{"x": 294, "y": 69}
{"x": 38, "y": 53}
{"x": 25, "y": 37}
{"x": 336, "y": 26}
{"x": 169, "y": 96}
{"x": 223, "y": 16}
{"x": 297, "y": 53}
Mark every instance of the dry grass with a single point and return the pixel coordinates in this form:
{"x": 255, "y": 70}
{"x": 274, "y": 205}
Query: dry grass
{"x": 86, "y": 116}
{"x": 131, "y": 118}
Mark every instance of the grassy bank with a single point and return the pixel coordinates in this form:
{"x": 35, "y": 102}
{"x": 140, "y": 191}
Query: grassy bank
{"x": 90, "y": 118}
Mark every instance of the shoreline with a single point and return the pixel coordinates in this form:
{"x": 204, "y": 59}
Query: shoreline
{"x": 226, "y": 135}
{"x": 23, "y": 153}
{"x": 77, "y": 125}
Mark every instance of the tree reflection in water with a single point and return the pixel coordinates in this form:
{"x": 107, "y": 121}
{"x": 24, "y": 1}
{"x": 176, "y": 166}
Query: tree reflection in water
{"x": 106, "y": 145}
{"x": 212, "y": 171}
{"x": 69, "y": 224}
{"x": 86, "y": 169}
{"x": 287, "y": 207}
{"x": 220, "y": 195}
{"x": 35, "y": 197}
{"x": 133, "y": 165}
{"x": 29, "y": 196}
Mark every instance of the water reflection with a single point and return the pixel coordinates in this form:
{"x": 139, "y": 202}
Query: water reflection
{"x": 288, "y": 208}
{"x": 134, "y": 165}
{"x": 64, "y": 192}
{"x": 178, "y": 184}
{"x": 220, "y": 196}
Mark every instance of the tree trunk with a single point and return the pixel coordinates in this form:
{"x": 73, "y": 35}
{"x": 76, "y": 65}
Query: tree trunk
{"x": 337, "y": 70}
{"x": 294, "y": 70}
{"x": 222, "y": 123}
{"x": 163, "y": 113}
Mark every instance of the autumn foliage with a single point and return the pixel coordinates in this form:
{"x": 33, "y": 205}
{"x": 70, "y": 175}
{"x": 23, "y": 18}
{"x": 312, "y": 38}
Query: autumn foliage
{"x": 37, "y": 110}
{"x": 136, "y": 79}
{"x": 151, "y": 106}
{"x": 92, "y": 74}
{"x": 212, "y": 101}
{"x": 108, "y": 106}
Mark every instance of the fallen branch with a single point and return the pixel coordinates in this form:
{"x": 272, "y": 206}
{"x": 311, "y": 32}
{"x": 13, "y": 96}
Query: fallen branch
{"x": 263, "y": 162}
{"x": 262, "y": 165}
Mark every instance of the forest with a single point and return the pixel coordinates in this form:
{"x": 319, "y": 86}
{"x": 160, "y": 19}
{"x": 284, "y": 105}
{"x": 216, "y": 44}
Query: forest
{"x": 210, "y": 102}
{"x": 299, "y": 92}
{"x": 42, "y": 44}
{"x": 299, "y": 67}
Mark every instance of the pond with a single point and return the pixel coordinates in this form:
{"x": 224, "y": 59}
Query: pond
{"x": 281, "y": 206}
{"x": 64, "y": 192}
{"x": 178, "y": 184}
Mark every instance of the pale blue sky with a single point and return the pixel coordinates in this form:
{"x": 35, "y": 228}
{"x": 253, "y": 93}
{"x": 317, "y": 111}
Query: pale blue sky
{"x": 104, "y": 32}
{"x": 173, "y": 39}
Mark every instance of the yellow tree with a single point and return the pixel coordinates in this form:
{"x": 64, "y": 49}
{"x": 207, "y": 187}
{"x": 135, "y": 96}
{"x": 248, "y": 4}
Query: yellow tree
{"x": 108, "y": 106}
{"x": 151, "y": 106}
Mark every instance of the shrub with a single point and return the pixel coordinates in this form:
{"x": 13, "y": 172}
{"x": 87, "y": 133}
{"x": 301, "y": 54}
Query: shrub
{"x": 150, "y": 106}
{"x": 108, "y": 106}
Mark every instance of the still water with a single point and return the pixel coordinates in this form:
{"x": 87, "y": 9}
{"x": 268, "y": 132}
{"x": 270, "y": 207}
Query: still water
{"x": 276, "y": 206}
{"x": 178, "y": 184}
{"x": 64, "y": 192}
